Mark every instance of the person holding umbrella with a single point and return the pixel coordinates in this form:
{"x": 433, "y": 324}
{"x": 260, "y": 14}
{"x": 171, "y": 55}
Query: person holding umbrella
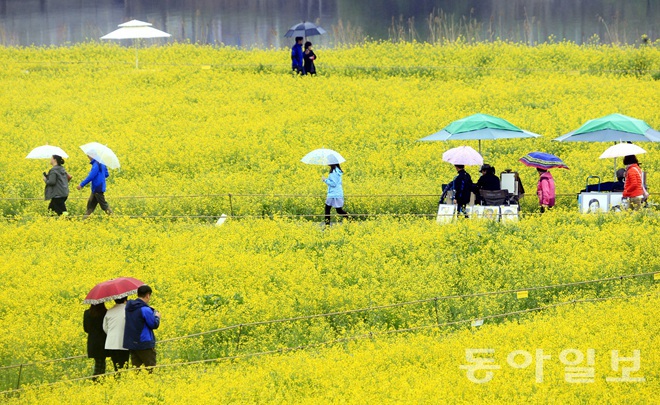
{"x": 335, "y": 196}
{"x": 634, "y": 189}
{"x": 308, "y": 59}
{"x": 297, "y": 57}
{"x": 57, "y": 186}
{"x": 96, "y": 176}
{"x": 93, "y": 326}
{"x": 114, "y": 323}
{"x": 545, "y": 189}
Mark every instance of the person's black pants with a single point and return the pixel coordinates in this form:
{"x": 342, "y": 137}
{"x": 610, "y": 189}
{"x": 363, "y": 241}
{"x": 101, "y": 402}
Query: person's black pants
{"x": 119, "y": 358}
{"x": 340, "y": 211}
{"x": 58, "y": 205}
{"x": 99, "y": 365}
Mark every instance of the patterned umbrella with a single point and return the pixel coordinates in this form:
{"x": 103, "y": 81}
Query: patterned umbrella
{"x": 113, "y": 289}
{"x": 542, "y": 160}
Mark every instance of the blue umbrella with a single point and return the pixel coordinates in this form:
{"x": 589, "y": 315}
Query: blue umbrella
{"x": 304, "y": 29}
{"x": 542, "y": 160}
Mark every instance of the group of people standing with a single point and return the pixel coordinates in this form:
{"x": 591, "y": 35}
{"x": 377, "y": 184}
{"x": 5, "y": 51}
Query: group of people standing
{"x": 124, "y": 331}
{"x": 57, "y": 186}
{"x": 630, "y": 181}
{"x": 302, "y": 60}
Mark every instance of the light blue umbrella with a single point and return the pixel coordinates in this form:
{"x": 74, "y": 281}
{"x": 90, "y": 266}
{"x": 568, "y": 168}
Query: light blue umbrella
{"x": 478, "y": 127}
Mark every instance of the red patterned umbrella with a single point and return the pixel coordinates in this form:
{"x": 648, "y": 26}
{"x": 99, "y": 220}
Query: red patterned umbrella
{"x": 113, "y": 289}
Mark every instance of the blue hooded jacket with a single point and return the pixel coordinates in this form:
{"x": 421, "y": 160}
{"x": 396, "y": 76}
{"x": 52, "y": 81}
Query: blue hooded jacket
{"x": 97, "y": 176}
{"x": 140, "y": 325}
{"x": 297, "y": 56}
{"x": 335, "y": 189}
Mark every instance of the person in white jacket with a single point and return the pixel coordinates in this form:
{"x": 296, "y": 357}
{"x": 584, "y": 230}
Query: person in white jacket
{"x": 113, "y": 325}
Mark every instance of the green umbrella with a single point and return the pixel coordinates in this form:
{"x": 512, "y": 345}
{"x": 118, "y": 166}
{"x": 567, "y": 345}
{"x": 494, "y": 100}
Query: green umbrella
{"x": 612, "y": 128}
{"x": 478, "y": 127}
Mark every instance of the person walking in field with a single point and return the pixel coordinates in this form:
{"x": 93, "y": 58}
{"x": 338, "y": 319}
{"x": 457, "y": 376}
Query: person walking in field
{"x": 633, "y": 188}
{"x": 97, "y": 175}
{"x": 545, "y": 190}
{"x": 141, "y": 320}
{"x": 57, "y": 186}
{"x": 297, "y": 57}
{"x": 114, "y": 323}
{"x": 93, "y": 326}
{"x": 335, "y": 196}
{"x": 308, "y": 59}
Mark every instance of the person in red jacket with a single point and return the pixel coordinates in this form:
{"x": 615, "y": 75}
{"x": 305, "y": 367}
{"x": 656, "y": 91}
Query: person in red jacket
{"x": 633, "y": 188}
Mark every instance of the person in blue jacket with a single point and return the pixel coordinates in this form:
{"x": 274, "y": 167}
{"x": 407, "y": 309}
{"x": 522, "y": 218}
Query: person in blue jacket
{"x": 335, "y": 197}
{"x": 297, "y": 57}
{"x": 141, "y": 320}
{"x": 97, "y": 175}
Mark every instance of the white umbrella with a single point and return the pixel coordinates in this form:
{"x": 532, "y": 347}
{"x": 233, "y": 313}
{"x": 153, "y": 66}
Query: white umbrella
{"x": 136, "y": 29}
{"x": 463, "y": 155}
{"x": 621, "y": 150}
{"x": 102, "y": 154}
{"x": 46, "y": 152}
{"x": 323, "y": 157}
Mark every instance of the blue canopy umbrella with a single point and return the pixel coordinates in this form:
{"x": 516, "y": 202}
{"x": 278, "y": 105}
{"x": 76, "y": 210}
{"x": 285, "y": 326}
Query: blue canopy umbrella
{"x": 542, "y": 160}
{"x": 478, "y": 127}
{"x": 304, "y": 29}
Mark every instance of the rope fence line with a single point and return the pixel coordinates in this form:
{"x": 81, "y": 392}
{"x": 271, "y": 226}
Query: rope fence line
{"x": 589, "y": 70}
{"x": 365, "y": 309}
{"x": 369, "y": 335}
{"x": 255, "y": 195}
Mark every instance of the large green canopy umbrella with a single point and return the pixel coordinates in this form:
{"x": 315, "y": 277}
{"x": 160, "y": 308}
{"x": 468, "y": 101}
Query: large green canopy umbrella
{"x": 612, "y": 128}
{"x": 478, "y": 127}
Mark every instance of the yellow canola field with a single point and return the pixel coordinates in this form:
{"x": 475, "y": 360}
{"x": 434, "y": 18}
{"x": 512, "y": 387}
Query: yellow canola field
{"x": 421, "y": 368}
{"x": 206, "y": 277}
{"x": 243, "y": 125}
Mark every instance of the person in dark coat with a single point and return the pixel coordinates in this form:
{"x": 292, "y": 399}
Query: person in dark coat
{"x": 308, "y": 59}
{"x": 462, "y": 186}
{"x": 57, "y": 186}
{"x": 93, "y": 325}
{"x": 488, "y": 181}
{"x": 297, "y": 57}
{"x": 141, "y": 320}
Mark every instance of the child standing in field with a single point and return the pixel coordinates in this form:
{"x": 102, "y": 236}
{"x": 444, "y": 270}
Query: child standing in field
{"x": 545, "y": 190}
{"x": 309, "y": 57}
{"x": 57, "y": 186}
{"x": 335, "y": 197}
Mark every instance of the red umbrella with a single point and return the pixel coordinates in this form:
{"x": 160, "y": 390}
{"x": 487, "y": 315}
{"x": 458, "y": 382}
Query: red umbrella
{"x": 113, "y": 289}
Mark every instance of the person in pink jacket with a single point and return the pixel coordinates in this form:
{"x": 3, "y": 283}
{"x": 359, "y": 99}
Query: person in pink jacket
{"x": 545, "y": 190}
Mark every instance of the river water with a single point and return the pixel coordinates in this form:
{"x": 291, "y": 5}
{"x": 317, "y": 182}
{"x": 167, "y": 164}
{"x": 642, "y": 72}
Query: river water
{"x": 263, "y": 22}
